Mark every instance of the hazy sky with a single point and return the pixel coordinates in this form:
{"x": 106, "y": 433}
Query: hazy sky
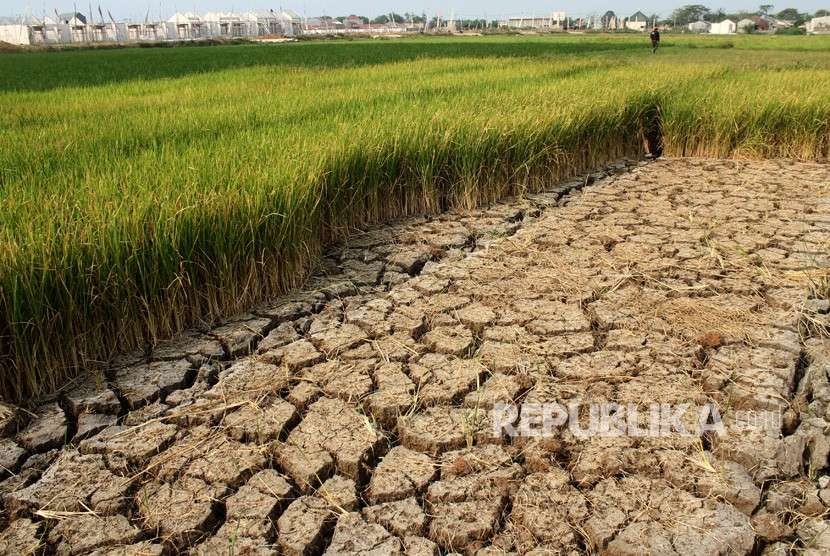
{"x": 463, "y": 8}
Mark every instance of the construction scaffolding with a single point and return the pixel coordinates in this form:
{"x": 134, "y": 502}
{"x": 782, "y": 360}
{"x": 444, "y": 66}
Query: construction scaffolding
{"x": 76, "y": 28}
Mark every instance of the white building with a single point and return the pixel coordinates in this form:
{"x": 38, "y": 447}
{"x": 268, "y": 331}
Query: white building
{"x": 24, "y": 31}
{"x": 225, "y": 24}
{"x": 556, "y": 21}
{"x": 699, "y": 27}
{"x": 725, "y": 27}
{"x": 147, "y": 31}
{"x": 265, "y": 22}
{"x": 291, "y": 22}
{"x": 184, "y": 26}
{"x": 48, "y": 31}
{"x": 66, "y": 29}
{"x": 608, "y": 22}
{"x": 637, "y": 22}
{"x": 15, "y": 33}
{"x": 819, "y": 25}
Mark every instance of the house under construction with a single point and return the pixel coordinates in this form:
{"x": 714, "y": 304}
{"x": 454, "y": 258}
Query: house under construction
{"x": 76, "y": 28}
{"x": 555, "y": 21}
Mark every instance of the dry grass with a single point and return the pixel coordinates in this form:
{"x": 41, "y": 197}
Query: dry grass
{"x": 695, "y": 318}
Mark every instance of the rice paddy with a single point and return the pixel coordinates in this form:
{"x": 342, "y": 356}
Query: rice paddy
{"x": 143, "y": 191}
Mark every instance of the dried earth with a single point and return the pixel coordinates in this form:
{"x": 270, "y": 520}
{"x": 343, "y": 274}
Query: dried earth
{"x": 354, "y": 417}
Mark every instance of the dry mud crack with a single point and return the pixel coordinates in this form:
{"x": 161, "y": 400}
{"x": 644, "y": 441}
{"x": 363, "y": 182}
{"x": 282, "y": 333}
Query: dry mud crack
{"x": 355, "y": 417}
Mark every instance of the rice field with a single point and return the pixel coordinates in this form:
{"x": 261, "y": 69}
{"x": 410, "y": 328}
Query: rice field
{"x": 143, "y": 191}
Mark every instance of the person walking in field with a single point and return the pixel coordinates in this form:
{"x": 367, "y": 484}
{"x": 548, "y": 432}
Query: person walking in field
{"x": 655, "y": 40}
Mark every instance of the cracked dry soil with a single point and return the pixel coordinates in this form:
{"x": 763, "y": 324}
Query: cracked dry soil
{"x": 351, "y": 418}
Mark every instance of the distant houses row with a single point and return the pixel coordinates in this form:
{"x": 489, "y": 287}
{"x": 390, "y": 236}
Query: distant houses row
{"x": 558, "y": 21}
{"x": 609, "y": 21}
{"x": 612, "y": 22}
{"x": 757, "y": 24}
{"x": 79, "y": 28}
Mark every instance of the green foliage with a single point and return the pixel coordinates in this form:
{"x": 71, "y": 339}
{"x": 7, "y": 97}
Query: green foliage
{"x": 146, "y": 190}
{"x": 387, "y": 18}
{"x": 690, "y": 13}
{"x": 791, "y": 14}
{"x": 790, "y": 31}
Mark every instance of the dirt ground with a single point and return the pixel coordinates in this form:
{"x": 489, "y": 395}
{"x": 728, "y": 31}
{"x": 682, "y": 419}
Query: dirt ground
{"x": 355, "y": 417}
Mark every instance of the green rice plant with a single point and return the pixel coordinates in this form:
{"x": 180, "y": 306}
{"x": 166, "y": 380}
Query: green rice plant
{"x": 143, "y": 191}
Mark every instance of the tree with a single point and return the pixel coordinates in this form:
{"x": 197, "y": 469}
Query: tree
{"x": 764, "y": 9}
{"x": 821, "y": 13}
{"x": 789, "y": 14}
{"x": 381, "y": 20}
{"x": 716, "y": 16}
{"x": 415, "y": 18}
{"x": 690, "y": 13}
{"x": 792, "y": 15}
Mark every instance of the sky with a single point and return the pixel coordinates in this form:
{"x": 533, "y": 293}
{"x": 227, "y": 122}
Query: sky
{"x": 493, "y": 9}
